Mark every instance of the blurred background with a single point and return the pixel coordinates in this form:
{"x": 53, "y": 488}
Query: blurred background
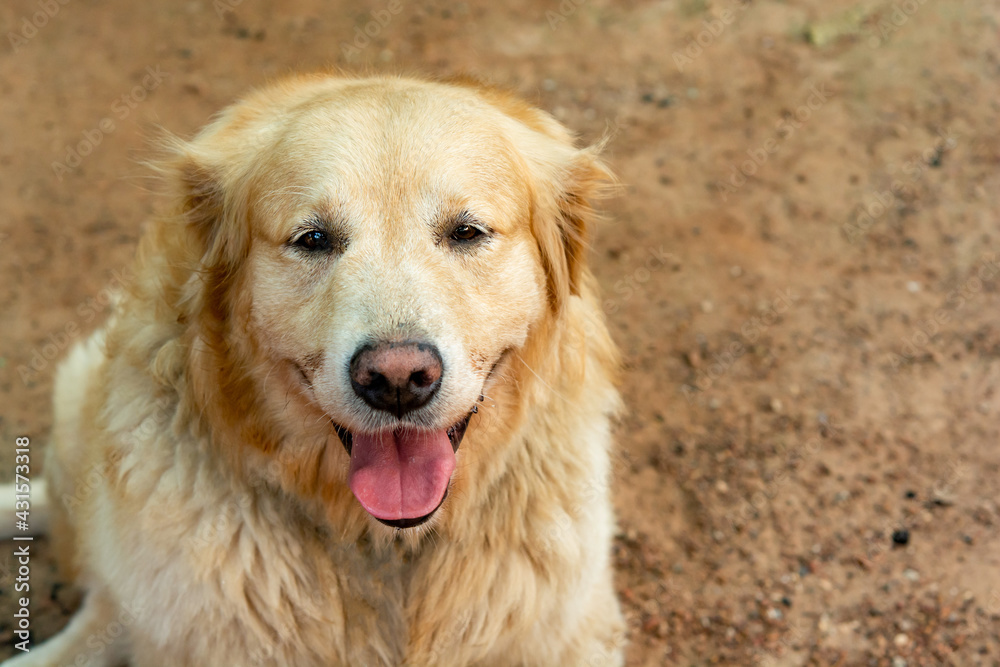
{"x": 802, "y": 274}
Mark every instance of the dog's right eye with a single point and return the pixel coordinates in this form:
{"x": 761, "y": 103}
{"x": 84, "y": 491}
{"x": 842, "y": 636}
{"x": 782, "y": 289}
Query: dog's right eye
{"x": 314, "y": 241}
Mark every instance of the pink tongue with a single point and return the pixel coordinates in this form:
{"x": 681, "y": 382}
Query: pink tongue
{"x": 401, "y": 474}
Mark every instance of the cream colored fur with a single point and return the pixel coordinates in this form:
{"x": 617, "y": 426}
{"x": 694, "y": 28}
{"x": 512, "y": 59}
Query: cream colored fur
{"x": 198, "y": 484}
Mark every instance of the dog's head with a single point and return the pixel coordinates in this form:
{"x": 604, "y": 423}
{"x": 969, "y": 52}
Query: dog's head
{"x": 371, "y": 255}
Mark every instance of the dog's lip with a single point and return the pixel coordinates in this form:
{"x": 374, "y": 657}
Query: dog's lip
{"x": 455, "y": 432}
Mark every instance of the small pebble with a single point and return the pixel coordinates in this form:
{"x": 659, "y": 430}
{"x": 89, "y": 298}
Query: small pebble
{"x": 824, "y": 623}
{"x": 911, "y": 574}
{"x": 707, "y": 306}
{"x": 901, "y": 537}
{"x": 898, "y": 662}
{"x": 913, "y": 286}
{"x": 774, "y": 614}
{"x": 901, "y": 640}
{"x": 735, "y": 271}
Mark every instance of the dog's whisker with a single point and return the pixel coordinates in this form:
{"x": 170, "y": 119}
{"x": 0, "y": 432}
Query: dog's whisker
{"x": 542, "y": 380}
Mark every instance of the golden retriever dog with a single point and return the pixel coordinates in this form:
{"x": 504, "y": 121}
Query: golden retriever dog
{"x": 354, "y": 408}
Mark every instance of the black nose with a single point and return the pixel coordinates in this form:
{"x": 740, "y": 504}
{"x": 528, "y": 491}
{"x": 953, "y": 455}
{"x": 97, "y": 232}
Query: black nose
{"x": 396, "y": 377}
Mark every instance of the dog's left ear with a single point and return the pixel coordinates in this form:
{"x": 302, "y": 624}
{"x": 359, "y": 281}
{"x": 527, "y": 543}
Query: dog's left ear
{"x": 563, "y": 221}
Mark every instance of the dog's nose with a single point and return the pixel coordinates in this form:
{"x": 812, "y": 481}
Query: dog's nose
{"x": 396, "y": 377}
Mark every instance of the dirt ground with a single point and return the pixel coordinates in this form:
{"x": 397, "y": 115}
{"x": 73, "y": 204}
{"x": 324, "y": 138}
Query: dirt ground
{"x": 801, "y": 271}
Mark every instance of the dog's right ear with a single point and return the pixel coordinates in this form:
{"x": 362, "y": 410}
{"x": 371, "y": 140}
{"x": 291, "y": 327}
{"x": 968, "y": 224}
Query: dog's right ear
{"x": 202, "y": 202}
{"x": 206, "y": 231}
{"x": 210, "y": 210}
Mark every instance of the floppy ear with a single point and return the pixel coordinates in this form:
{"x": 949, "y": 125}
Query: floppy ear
{"x": 201, "y": 199}
{"x": 212, "y": 238}
{"x": 564, "y": 219}
{"x": 213, "y": 214}
{"x": 206, "y": 237}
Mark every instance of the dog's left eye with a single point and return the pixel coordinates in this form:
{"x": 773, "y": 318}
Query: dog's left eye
{"x": 465, "y": 233}
{"x": 313, "y": 241}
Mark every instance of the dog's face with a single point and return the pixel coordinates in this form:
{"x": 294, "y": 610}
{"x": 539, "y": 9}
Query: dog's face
{"x": 386, "y": 246}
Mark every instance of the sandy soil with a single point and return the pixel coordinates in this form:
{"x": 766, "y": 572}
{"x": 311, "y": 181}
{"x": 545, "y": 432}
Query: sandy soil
{"x": 801, "y": 273}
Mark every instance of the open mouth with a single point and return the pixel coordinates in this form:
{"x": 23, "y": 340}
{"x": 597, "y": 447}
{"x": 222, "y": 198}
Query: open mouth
{"x": 401, "y": 476}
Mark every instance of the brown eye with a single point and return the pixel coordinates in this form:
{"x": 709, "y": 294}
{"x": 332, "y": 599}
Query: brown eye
{"x": 313, "y": 241}
{"x": 465, "y": 233}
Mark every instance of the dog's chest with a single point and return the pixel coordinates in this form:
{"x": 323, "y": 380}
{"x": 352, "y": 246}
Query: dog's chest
{"x": 254, "y": 588}
{"x": 309, "y": 600}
